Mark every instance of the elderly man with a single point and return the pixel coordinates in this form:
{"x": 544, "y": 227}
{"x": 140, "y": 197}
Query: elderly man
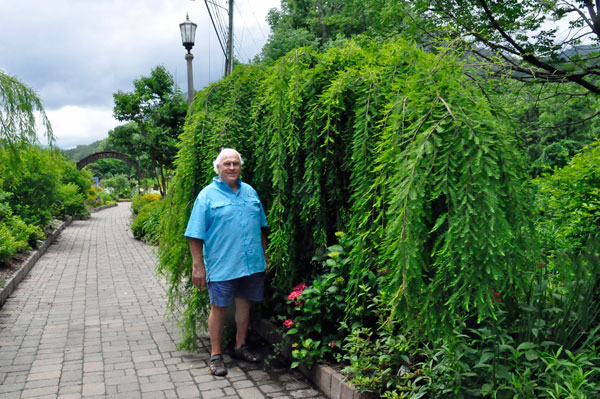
{"x": 226, "y": 234}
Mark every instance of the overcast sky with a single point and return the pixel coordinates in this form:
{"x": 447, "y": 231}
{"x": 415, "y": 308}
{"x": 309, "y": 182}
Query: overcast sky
{"x": 77, "y": 53}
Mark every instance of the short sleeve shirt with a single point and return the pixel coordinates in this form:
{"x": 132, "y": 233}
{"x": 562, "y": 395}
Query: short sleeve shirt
{"x": 230, "y": 225}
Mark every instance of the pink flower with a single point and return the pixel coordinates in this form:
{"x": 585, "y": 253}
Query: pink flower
{"x": 333, "y": 344}
{"x": 289, "y": 323}
{"x": 293, "y": 295}
{"x": 300, "y": 287}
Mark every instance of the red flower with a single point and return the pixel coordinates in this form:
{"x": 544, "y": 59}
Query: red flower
{"x": 293, "y": 295}
{"x": 289, "y": 323}
{"x": 300, "y": 287}
{"x": 496, "y": 296}
{"x": 296, "y": 292}
{"x": 541, "y": 264}
{"x": 333, "y": 344}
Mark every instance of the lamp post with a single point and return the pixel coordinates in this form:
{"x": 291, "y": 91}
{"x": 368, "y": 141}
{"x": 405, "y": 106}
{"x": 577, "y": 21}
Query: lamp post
{"x": 188, "y": 34}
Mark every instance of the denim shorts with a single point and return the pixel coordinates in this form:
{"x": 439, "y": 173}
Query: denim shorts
{"x": 250, "y": 287}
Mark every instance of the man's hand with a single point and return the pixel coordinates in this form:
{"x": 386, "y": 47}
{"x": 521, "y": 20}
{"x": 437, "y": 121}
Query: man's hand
{"x": 198, "y": 271}
{"x": 199, "y": 277}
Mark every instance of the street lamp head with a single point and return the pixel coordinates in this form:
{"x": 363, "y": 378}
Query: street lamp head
{"x": 188, "y": 33}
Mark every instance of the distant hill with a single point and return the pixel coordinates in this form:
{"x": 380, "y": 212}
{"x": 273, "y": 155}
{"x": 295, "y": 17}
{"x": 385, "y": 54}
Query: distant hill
{"x": 582, "y": 50}
{"x": 83, "y": 150}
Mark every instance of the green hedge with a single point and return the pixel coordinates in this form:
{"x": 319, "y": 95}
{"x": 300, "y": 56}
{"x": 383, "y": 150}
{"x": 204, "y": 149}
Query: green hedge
{"x": 146, "y": 224}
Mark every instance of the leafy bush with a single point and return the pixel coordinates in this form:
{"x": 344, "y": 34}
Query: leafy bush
{"x": 139, "y": 201}
{"x": 35, "y": 179}
{"x": 569, "y": 201}
{"x": 36, "y": 186}
{"x": 119, "y": 183}
{"x": 28, "y": 234}
{"x": 146, "y": 224}
{"x": 106, "y": 198}
{"x": 15, "y": 234}
{"x": 71, "y": 200}
{"x": 8, "y": 244}
{"x": 542, "y": 345}
{"x": 315, "y": 316}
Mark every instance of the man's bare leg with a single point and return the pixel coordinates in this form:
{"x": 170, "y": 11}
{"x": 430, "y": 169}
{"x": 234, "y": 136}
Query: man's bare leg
{"x": 242, "y": 320}
{"x": 216, "y": 324}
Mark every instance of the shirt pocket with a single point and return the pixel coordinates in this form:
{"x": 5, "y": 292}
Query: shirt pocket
{"x": 252, "y": 206}
{"x": 221, "y": 211}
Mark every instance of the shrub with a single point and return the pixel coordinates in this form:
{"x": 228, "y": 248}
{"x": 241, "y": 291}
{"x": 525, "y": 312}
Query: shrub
{"x": 139, "y": 201}
{"x": 71, "y": 200}
{"x": 569, "y": 201}
{"x": 28, "y": 234}
{"x": 315, "y": 315}
{"x": 8, "y": 244}
{"x": 15, "y": 234}
{"x": 106, "y": 198}
{"x": 35, "y": 179}
{"x": 147, "y": 222}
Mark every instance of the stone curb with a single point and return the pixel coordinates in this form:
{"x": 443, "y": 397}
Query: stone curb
{"x": 329, "y": 381}
{"x": 93, "y": 210}
{"x": 12, "y": 284}
{"x": 103, "y": 207}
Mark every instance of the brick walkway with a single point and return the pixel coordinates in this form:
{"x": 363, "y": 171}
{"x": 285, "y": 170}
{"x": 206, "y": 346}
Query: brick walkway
{"x": 89, "y": 321}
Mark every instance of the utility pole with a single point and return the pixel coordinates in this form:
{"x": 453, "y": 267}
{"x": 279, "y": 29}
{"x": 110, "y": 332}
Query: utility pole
{"x": 225, "y": 35}
{"x": 229, "y": 59}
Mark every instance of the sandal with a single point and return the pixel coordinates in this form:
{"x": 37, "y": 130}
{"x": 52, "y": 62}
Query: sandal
{"x": 217, "y": 366}
{"x": 244, "y": 353}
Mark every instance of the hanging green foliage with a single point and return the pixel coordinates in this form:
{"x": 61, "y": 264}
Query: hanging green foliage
{"x": 389, "y": 143}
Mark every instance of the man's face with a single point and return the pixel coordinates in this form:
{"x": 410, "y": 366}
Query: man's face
{"x": 230, "y": 168}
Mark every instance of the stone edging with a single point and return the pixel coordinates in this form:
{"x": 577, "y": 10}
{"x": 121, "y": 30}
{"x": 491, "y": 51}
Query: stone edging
{"x": 103, "y": 207}
{"x": 329, "y": 381}
{"x": 93, "y": 210}
{"x": 12, "y": 284}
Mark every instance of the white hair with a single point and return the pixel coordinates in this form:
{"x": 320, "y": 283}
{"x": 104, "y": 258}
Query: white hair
{"x": 219, "y": 158}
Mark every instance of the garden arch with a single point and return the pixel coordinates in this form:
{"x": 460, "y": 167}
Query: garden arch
{"x": 108, "y": 154}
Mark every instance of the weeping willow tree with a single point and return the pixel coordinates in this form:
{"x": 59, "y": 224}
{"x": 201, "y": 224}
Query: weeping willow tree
{"x": 19, "y": 105}
{"x": 391, "y": 144}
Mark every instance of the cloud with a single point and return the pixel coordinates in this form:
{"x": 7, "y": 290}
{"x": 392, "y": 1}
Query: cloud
{"x": 74, "y": 125}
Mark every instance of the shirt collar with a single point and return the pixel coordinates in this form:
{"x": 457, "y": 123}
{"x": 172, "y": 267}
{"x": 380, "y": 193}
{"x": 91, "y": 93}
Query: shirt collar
{"x": 223, "y": 186}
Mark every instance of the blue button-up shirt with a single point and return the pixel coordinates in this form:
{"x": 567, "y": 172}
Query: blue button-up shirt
{"x": 229, "y": 224}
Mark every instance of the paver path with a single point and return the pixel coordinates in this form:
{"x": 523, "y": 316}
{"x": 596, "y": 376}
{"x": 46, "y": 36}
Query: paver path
{"x": 89, "y": 321}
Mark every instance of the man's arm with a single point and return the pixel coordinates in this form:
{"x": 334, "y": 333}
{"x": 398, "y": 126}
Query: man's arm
{"x": 198, "y": 271}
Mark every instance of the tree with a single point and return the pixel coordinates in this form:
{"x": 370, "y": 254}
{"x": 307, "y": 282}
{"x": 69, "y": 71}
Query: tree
{"x": 316, "y": 23}
{"x": 120, "y": 183}
{"x": 18, "y": 107}
{"x": 157, "y": 109}
{"x": 522, "y": 38}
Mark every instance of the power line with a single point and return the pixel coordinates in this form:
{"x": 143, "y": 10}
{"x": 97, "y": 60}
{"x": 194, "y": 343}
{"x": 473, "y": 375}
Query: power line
{"x": 217, "y": 21}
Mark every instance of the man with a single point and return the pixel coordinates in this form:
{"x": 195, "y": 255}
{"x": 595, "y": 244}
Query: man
{"x": 226, "y": 234}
